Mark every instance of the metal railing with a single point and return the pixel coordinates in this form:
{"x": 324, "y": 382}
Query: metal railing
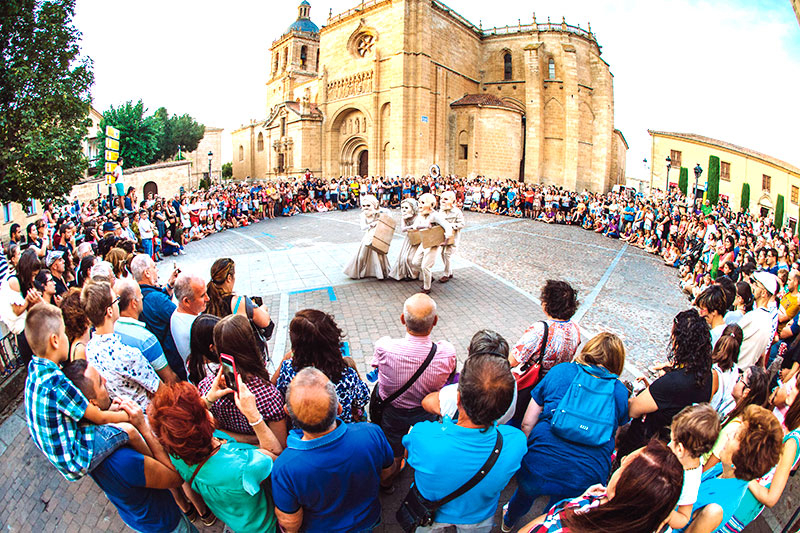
{"x": 9, "y": 356}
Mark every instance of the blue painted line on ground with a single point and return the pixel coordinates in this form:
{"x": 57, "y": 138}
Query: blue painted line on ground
{"x": 331, "y": 293}
{"x": 268, "y": 234}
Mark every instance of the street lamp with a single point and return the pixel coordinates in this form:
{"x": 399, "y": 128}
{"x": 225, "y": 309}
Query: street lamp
{"x": 669, "y": 166}
{"x": 210, "y": 155}
{"x": 698, "y": 170}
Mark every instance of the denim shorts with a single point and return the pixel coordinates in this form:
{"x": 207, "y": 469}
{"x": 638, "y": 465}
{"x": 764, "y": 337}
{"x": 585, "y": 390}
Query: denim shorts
{"x": 107, "y": 438}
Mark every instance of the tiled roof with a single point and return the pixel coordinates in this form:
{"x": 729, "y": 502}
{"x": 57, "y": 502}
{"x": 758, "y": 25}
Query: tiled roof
{"x": 481, "y": 100}
{"x": 729, "y": 146}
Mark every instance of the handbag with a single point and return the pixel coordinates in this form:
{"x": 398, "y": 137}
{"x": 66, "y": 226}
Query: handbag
{"x": 528, "y": 374}
{"x": 417, "y": 511}
{"x": 378, "y": 404}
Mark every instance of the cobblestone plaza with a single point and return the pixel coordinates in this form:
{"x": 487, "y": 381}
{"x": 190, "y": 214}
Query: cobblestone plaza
{"x": 295, "y": 263}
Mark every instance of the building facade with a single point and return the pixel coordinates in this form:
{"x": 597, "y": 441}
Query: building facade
{"x": 392, "y": 87}
{"x": 767, "y": 176}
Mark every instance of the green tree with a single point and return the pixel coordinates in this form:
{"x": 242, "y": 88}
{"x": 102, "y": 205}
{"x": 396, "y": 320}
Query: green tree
{"x": 139, "y": 134}
{"x": 227, "y": 170}
{"x": 183, "y": 131}
{"x": 683, "y": 180}
{"x": 779, "y": 212}
{"x": 713, "y": 180}
{"x": 44, "y": 100}
{"x": 745, "y": 203}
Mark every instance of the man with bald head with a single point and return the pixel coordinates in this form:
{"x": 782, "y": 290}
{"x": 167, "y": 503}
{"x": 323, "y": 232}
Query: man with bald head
{"x": 327, "y": 478}
{"x": 397, "y": 360}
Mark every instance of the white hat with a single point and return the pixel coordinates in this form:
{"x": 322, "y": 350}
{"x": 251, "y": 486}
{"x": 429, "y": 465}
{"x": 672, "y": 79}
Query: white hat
{"x": 769, "y": 281}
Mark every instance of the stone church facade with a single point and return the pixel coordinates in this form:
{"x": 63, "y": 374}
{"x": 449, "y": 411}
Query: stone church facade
{"x": 392, "y": 87}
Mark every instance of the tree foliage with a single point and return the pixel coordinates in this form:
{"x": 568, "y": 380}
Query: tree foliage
{"x": 745, "y": 203}
{"x": 227, "y": 170}
{"x": 779, "y": 212}
{"x": 139, "y": 134}
{"x": 183, "y": 131}
{"x": 44, "y": 100}
{"x": 683, "y": 180}
{"x": 712, "y": 191}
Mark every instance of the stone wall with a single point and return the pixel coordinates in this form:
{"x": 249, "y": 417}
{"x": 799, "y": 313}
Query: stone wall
{"x": 168, "y": 178}
{"x": 211, "y": 142}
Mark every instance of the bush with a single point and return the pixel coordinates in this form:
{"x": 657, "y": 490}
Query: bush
{"x": 713, "y": 180}
{"x": 683, "y": 180}
{"x": 745, "y": 204}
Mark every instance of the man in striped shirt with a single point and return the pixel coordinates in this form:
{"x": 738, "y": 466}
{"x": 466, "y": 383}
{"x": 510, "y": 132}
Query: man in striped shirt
{"x": 398, "y": 359}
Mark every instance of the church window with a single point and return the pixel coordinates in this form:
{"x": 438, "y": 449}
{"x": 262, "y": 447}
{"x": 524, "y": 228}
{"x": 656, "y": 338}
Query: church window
{"x": 551, "y": 69}
{"x": 241, "y": 153}
{"x": 675, "y": 156}
{"x": 260, "y": 143}
{"x": 795, "y": 194}
{"x": 766, "y": 182}
{"x": 507, "y": 72}
{"x": 283, "y": 126}
{"x": 303, "y": 56}
{"x": 463, "y": 151}
{"x": 725, "y": 171}
{"x": 316, "y": 65}
{"x": 364, "y": 44}
{"x": 275, "y": 66}
{"x": 285, "y": 57}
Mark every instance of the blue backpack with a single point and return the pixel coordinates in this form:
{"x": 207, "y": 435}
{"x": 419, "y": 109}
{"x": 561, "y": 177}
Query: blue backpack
{"x": 587, "y": 414}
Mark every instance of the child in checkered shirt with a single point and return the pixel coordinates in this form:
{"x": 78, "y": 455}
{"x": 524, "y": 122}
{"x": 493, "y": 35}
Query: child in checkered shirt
{"x": 74, "y": 435}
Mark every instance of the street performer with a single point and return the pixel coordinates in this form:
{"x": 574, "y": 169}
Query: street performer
{"x": 425, "y": 258}
{"x": 368, "y": 262}
{"x": 455, "y": 217}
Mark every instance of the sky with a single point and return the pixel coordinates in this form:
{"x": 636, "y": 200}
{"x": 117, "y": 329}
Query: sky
{"x": 727, "y": 69}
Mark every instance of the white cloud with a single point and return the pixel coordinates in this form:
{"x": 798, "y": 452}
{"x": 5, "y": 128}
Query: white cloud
{"x": 729, "y": 71}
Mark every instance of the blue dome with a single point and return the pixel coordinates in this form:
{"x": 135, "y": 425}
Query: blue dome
{"x": 303, "y": 25}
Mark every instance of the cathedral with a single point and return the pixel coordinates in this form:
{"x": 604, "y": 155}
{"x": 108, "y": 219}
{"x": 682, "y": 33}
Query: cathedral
{"x": 394, "y": 87}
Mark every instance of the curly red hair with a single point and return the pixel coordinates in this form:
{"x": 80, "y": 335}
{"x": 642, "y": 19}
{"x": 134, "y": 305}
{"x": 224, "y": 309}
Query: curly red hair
{"x": 180, "y": 421}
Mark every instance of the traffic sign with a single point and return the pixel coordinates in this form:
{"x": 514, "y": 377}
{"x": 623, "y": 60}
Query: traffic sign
{"x": 112, "y": 144}
{"x": 112, "y": 155}
{"x": 110, "y": 168}
{"x": 112, "y": 132}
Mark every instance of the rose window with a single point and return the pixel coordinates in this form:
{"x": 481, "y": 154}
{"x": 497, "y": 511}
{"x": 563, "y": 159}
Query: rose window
{"x": 364, "y": 44}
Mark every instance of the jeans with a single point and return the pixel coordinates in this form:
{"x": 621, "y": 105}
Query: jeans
{"x": 520, "y": 503}
{"x": 147, "y": 244}
{"x": 484, "y": 526}
{"x": 107, "y": 438}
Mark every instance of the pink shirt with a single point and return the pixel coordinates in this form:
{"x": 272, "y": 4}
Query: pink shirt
{"x": 398, "y": 359}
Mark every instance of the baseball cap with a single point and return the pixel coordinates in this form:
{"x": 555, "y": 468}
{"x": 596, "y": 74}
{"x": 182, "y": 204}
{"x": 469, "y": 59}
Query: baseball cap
{"x": 52, "y": 256}
{"x": 769, "y": 281}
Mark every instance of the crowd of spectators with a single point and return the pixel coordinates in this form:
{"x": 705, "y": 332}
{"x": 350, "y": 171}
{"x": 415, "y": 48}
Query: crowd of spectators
{"x": 163, "y": 393}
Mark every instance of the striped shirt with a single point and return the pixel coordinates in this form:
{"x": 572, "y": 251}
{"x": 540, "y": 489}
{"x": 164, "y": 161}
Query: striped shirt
{"x": 563, "y": 338}
{"x": 398, "y": 359}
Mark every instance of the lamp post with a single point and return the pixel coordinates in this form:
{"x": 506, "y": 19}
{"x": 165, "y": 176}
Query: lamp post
{"x": 698, "y": 170}
{"x": 210, "y": 155}
{"x": 669, "y": 166}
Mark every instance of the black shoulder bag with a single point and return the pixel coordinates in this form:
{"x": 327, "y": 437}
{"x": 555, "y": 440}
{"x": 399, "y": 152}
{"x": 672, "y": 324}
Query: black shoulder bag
{"x": 417, "y": 511}
{"x": 378, "y": 404}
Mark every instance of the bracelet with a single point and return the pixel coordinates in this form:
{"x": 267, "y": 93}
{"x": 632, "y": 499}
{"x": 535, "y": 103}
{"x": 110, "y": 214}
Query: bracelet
{"x": 257, "y": 422}
{"x": 209, "y": 403}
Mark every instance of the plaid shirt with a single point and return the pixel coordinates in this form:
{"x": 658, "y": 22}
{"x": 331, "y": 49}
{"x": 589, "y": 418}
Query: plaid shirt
{"x": 552, "y": 520}
{"x": 53, "y": 407}
{"x": 563, "y": 338}
{"x": 268, "y": 401}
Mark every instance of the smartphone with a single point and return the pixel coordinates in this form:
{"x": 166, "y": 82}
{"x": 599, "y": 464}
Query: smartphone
{"x": 229, "y": 371}
{"x": 258, "y": 300}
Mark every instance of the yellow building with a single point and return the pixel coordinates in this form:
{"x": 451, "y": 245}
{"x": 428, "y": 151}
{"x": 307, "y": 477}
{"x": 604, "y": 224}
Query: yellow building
{"x": 392, "y": 87}
{"x": 767, "y": 176}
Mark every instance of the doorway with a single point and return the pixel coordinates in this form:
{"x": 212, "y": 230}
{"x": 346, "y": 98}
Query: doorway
{"x": 363, "y": 163}
{"x": 150, "y": 188}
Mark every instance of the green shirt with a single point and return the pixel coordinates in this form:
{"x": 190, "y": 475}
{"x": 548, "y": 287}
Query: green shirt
{"x": 230, "y": 484}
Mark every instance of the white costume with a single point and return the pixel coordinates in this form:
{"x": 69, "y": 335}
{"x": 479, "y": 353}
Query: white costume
{"x": 404, "y": 268}
{"x": 425, "y": 258}
{"x": 455, "y": 217}
{"x": 368, "y": 263}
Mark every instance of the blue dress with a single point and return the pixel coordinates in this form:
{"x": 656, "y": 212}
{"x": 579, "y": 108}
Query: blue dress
{"x": 352, "y": 392}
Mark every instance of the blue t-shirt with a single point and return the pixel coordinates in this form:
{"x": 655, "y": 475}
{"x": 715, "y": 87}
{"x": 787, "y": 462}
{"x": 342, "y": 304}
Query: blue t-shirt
{"x": 121, "y": 476}
{"x": 334, "y": 478}
{"x": 445, "y": 456}
{"x": 725, "y": 492}
{"x": 549, "y": 453}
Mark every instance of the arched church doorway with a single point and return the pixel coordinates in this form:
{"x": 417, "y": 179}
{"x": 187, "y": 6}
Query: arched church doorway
{"x": 363, "y": 163}
{"x": 150, "y": 187}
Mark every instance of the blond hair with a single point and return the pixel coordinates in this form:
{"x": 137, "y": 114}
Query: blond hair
{"x": 604, "y": 349}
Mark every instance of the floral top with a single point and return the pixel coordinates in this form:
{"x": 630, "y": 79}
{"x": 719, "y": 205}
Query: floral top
{"x": 563, "y": 338}
{"x": 268, "y": 401}
{"x": 352, "y": 392}
{"x": 126, "y": 369}
{"x": 552, "y": 521}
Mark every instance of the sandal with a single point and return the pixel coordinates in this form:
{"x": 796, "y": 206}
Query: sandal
{"x": 191, "y": 514}
{"x": 208, "y": 519}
